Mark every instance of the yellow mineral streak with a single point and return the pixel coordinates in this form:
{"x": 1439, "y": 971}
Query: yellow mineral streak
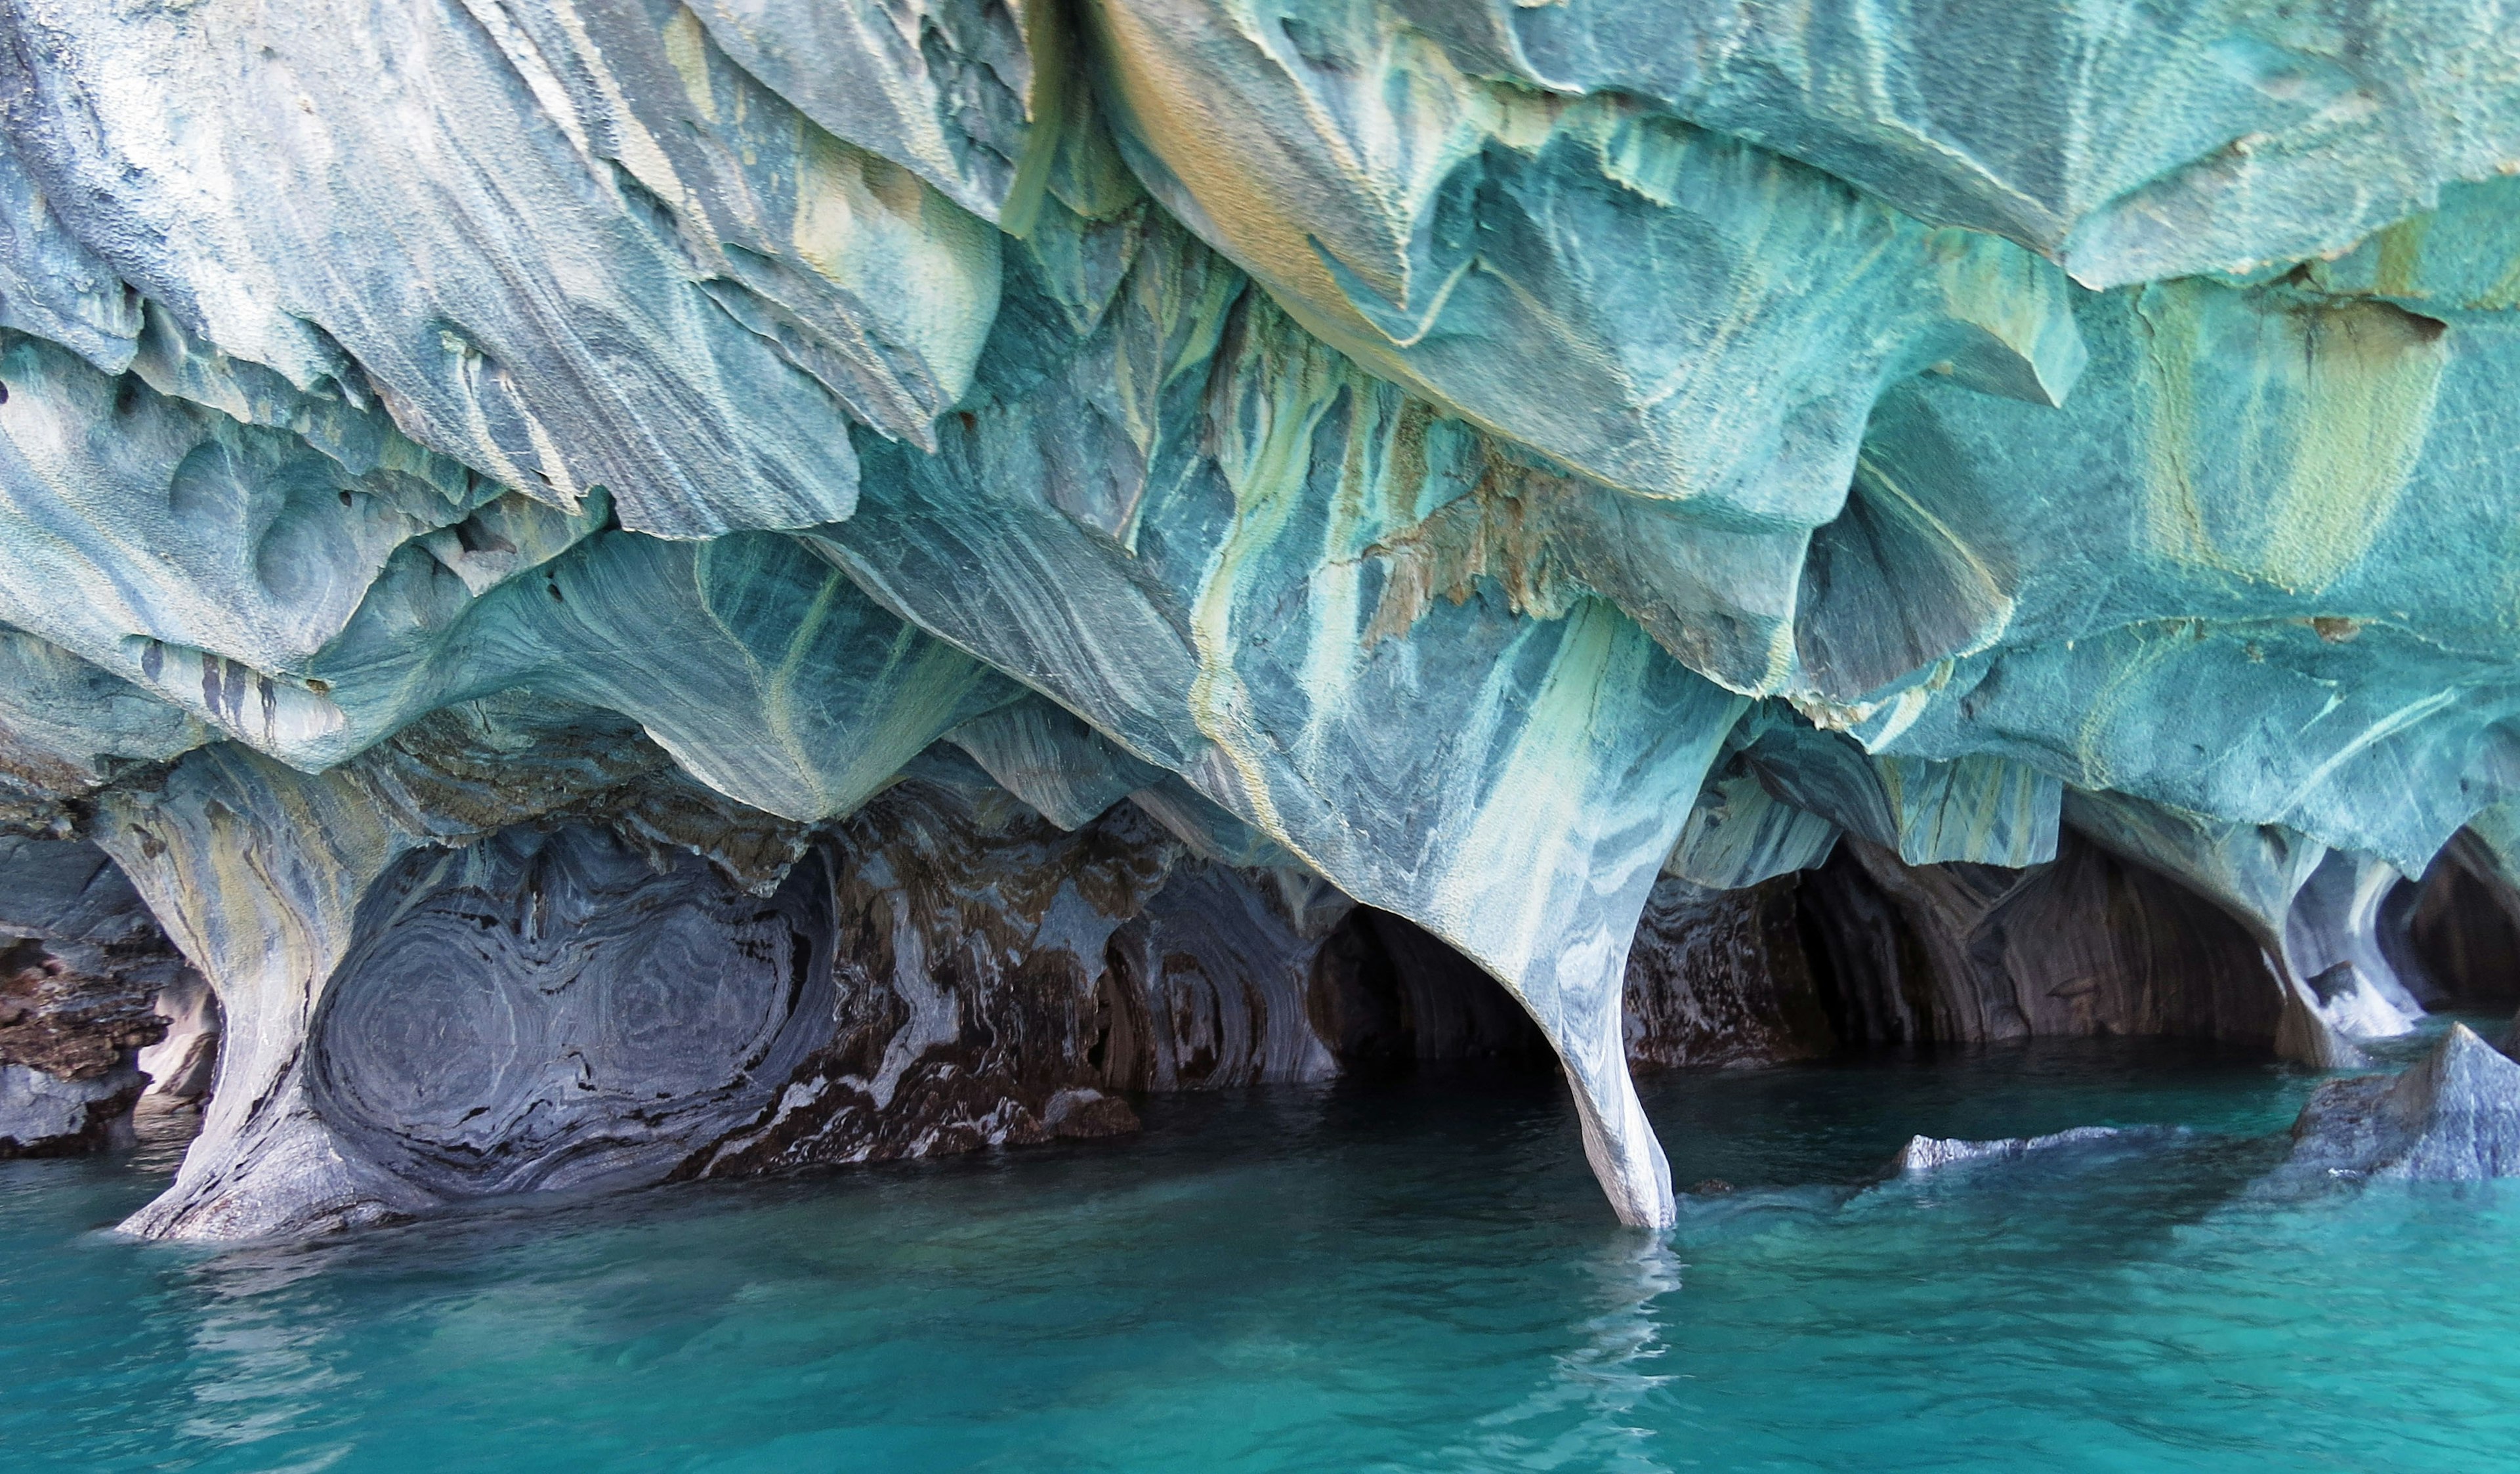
{"x": 2307, "y": 461}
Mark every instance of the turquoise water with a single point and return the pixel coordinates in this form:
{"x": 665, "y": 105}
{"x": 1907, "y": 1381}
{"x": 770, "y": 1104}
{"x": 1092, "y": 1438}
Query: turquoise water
{"x": 1411, "y": 1276}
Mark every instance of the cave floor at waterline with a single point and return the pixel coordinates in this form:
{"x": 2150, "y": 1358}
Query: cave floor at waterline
{"x": 1411, "y": 1275}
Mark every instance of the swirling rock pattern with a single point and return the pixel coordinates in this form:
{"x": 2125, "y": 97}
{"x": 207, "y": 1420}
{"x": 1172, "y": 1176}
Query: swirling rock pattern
{"x": 1489, "y": 464}
{"x": 1724, "y": 977}
{"x": 547, "y": 1010}
{"x": 574, "y": 1003}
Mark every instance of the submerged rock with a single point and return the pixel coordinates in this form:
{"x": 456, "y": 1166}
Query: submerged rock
{"x": 2453, "y": 1117}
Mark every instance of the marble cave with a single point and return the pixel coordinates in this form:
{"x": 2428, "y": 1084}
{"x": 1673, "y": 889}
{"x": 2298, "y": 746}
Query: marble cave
{"x": 619, "y": 593}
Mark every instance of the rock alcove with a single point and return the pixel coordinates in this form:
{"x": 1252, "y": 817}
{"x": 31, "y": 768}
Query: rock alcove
{"x": 603, "y": 592}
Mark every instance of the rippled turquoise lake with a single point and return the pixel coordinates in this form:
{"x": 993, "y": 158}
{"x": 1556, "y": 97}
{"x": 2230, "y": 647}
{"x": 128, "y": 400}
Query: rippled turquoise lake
{"x": 1408, "y": 1276}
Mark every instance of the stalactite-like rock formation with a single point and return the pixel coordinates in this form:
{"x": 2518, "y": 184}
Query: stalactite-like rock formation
{"x": 1046, "y": 550}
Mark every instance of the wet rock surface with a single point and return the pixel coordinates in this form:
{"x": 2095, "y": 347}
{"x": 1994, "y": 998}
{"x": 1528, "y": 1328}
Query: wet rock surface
{"x": 1934, "y": 1153}
{"x": 1750, "y": 535}
{"x": 82, "y": 966}
{"x": 2455, "y": 1116}
{"x": 43, "y": 1114}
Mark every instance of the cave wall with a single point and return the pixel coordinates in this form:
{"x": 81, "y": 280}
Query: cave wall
{"x": 1728, "y": 977}
{"x": 636, "y": 981}
{"x": 2462, "y": 927}
{"x": 82, "y": 968}
{"x": 2084, "y": 945}
{"x": 1866, "y": 950}
{"x": 632, "y": 981}
{"x": 1480, "y": 460}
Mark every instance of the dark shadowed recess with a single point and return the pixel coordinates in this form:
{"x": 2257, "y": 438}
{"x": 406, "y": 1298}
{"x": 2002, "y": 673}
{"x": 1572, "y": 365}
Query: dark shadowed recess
{"x": 2088, "y": 945}
{"x": 1865, "y": 953}
{"x": 557, "y": 1007}
{"x": 2454, "y": 935}
{"x": 1386, "y": 996}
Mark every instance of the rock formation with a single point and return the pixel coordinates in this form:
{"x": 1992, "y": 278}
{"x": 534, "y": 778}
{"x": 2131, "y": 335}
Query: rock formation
{"x": 79, "y": 979}
{"x": 651, "y": 588}
{"x": 1924, "y": 1154}
{"x": 2453, "y": 1117}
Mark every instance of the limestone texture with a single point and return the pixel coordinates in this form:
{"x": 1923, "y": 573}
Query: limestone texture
{"x": 645, "y": 590}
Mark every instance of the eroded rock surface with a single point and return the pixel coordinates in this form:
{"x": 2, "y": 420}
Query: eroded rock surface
{"x": 80, "y": 975}
{"x": 1924, "y": 1154}
{"x": 2453, "y": 1117}
{"x": 650, "y": 983}
{"x": 1759, "y": 529}
{"x": 1723, "y": 977}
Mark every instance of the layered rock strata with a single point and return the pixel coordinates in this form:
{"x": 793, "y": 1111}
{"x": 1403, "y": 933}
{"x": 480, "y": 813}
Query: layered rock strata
{"x": 2040, "y": 476}
{"x": 80, "y": 976}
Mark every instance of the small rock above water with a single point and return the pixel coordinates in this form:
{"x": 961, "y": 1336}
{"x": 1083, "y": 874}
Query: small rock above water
{"x": 2454, "y": 1117}
{"x": 1928, "y": 1154}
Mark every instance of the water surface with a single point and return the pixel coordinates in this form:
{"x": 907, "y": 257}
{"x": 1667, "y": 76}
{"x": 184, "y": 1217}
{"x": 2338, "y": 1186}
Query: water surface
{"x": 1405, "y": 1277}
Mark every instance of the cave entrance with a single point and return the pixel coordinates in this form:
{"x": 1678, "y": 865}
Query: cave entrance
{"x": 1867, "y": 953}
{"x": 1388, "y": 996}
{"x": 2454, "y": 935}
